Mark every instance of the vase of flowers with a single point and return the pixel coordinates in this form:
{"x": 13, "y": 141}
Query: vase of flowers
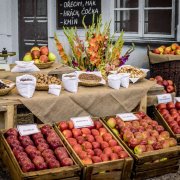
{"x": 98, "y": 51}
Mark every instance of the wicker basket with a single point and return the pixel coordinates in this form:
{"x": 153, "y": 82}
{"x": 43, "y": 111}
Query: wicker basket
{"x": 44, "y": 65}
{"x": 168, "y": 70}
{"x": 90, "y": 83}
{"x": 42, "y": 88}
{"x": 4, "y": 92}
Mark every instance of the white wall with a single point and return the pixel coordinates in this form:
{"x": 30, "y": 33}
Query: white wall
{"x": 9, "y": 30}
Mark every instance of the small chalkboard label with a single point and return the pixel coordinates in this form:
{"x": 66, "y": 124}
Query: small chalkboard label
{"x": 70, "y": 13}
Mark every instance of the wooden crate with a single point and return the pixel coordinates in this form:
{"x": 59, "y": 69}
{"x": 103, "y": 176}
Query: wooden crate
{"x": 63, "y": 173}
{"x": 152, "y": 164}
{"x": 111, "y": 170}
{"x": 159, "y": 117}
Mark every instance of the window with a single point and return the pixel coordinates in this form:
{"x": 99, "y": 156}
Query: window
{"x": 144, "y": 18}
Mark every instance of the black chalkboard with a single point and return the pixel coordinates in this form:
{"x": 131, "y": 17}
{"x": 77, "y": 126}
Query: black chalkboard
{"x": 71, "y": 12}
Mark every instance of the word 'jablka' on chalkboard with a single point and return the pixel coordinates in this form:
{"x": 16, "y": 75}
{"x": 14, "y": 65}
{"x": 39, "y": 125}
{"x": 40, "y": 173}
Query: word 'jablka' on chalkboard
{"x": 70, "y": 13}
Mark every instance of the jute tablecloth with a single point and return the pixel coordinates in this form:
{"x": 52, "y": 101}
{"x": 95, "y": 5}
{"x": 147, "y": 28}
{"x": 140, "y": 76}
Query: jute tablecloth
{"x": 56, "y": 68}
{"x": 95, "y": 101}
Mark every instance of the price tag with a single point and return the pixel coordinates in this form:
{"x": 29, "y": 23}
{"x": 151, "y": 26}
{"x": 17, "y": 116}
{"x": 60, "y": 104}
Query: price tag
{"x": 127, "y": 116}
{"x": 164, "y": 98}
{"x": 176, "y": 99}
{"x": 27, "y": 129}
{"x": 80, "y": 122}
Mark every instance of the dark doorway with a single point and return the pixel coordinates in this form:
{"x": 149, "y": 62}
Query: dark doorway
{"x": 32, "y": 25}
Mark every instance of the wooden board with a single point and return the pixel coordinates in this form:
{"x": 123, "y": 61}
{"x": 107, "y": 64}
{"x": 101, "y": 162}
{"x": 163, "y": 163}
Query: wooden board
{"x": 110, "y": 170}
{"x": 143, "y": 166}
{"x": 165, "y": 124}
{"x": 65, "y": 173}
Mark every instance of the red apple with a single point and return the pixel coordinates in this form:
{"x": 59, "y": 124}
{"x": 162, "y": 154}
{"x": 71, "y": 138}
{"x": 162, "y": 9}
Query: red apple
{"x": 104, "y": 144}
{"x": 145, "y": 135}
{"x": 87, "y": 145}
{"x": 165, "y": 134}
{"x": 164, "y": 112}
{"x": 76, "y": 132}
{"x": 67, "y": 133}
{"x": 127, "y": 136}
{"x": 177, "y": 105}
{"x": 67, "y": 162}
{"x": 63, "y": 125}
{"x": 82, "y": 155}
{"x": 70, "y": 124}
{"x": 159, "y": 128}
{"x": 72, "y": 141}
{"x": 87, "y": 161}
{"x": 152, "y": 140}
{"x": 161, "y": 106}
{"x": 97, "y": 152}
{"x": 107, "y": 137}
{"x": 149, "y": 148}
{"x": 96, "y": 159}
{"x": 77, "y": 148}
{"x": 44, "y": 50}
{"x": 90, "y": 138}
{"x": 90, "y": 152}
{"x": 28, "y": 167}
{"x": 170, "y": 82}
{"x": 114, "y": 156}
{"x": 53, "y": 163}
{"x": 157, "y": 146}
{"x": 61, "y": 153}
{"x": 39, "y": 141}
{"x": 94, "y": 132}
{"x": 133, "y": 142}
{"x": 139, "y": 149}
{"x": 170, "y": 105}
{"x": 97, "y": 124}
{"x": 138, "y": 135}
{"x": 85, "y": 131}
{"x": 165, "y": 144}
{"x": 43, "y": 59}
{"x": 112, "y": 143}
{"x": 11, "y": 131}
{"x": 123, "y": 154}
{"x": 102, "y": 131}
{"x": 104, "y": 157}
{"x": 117, "y": 149}
{"x": 99, "y": 139}
{"x": 42, "y": 146}
{"x": 170, "y": 89}
{"x": 37, "y": 135}
{"x": 95, "y": 145}
{"x": 80, "y": 139}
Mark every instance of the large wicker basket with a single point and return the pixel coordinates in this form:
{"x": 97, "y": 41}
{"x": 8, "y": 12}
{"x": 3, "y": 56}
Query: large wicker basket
{"x": 168, "y": 70}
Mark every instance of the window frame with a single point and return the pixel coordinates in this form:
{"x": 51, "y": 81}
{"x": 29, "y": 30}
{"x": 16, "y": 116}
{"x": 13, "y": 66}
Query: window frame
{"x": 141, "y": 15}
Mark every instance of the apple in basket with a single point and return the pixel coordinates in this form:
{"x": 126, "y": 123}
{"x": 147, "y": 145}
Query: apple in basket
{"x": 43, "y": 59}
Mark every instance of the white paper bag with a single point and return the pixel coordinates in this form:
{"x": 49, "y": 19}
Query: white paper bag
{"x": 26, "y": 87}
{"x": 22, "y": 66}
{"x": 114, "y": 81}
{"x": 54, "y": 89}
{"x": 70, "y": 82}
{"x": 124, "y": 79}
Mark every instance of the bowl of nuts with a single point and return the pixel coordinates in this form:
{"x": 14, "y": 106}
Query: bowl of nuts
{"x": 5, "y": 87}
{"x": 44, "y": 80}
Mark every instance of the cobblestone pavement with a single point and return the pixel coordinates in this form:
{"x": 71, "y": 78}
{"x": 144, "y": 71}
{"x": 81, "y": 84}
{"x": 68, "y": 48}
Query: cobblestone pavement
{"x": 4, "y": 174}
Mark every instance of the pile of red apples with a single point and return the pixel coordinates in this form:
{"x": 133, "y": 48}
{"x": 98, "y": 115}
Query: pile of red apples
{"x": 92, "y": 144}
{"x": 142, "y": 135}
{"x": 171, "y": 114}
{"x": 39, "y": 151}
{"x": 168, "y": 84}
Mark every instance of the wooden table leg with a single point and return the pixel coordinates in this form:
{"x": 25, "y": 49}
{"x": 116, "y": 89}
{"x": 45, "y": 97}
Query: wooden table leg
{"x": 9, "y": 116}
{"x": 143, "y": 104}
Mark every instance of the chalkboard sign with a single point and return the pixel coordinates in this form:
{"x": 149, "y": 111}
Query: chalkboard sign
{"x": 71, "y": 12}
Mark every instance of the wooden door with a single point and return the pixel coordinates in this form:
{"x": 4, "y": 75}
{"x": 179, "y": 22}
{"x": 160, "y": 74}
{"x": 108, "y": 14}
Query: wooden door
{"x": 32, "y": 25}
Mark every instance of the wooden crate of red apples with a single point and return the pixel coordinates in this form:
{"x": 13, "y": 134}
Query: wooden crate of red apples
{"x": 169, "y": 86}
{"x": 41, "y": 154}
{"x": 149, "y": 144}
{"x": 97, "y": 150}
{"x": 170, "y": 115}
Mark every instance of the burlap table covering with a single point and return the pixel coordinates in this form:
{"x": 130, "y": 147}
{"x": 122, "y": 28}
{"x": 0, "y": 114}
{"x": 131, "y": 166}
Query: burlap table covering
{"x": 95, "y": 101}
{"x": 56, "y": 68}
{"x": 159, "y": 58}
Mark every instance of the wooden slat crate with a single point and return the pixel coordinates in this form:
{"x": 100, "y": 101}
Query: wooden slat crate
{"x": 111, "y": 170}
{"x": 152, "y": 164}
{"x": 158, "y": 115}
{"x": 63, "y": 173}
